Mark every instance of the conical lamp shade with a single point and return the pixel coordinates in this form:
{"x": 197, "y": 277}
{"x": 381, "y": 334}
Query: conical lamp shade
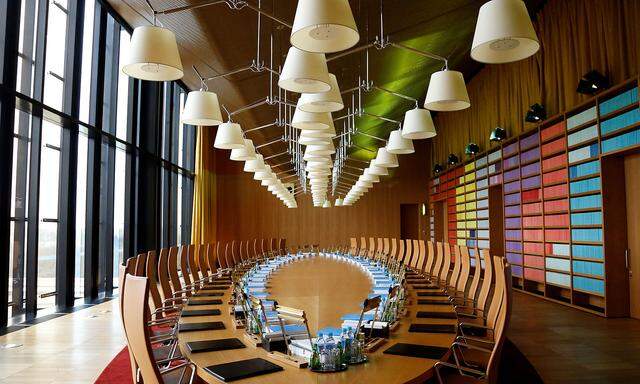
{"x": 375, "y": 170}
{"x": 327, "y": 204}
{"x": 201, "y": 108}
{"x": 447, "y": 92}
{"x": 311, "y": 121}
{"x": 504, "y": 33}
{"x": 328, "y": 133}
{"x": 320, "y": 150}
{"x": 399, "y": 145}
{"x": 330, "y": 101}
{"x": 310, "y": 140}
{"x": 418, "y": 124}
{"x": 255, "y": 164}
{"x": 386, "y": 159}
{"x": 245, "y": 153}
{"x": 324, "y": 26}
{"x": 338, "y": 202}
{"x": 304, "y": 72}
{"x": 229, "y": 136}
{"x": 316, "y": 158}
{"x": 153, "y": 55}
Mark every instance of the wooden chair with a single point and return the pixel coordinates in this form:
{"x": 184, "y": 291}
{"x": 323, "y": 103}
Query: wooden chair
{"x": 385, "y": 249}
{"x": 457, "y": 266}
{"x": 394, "y": 249}
{"x": 408, "y": 252}
{"x": 363, "y": 247}
{"x": 353, "y": 246}
{"x": 136, "y": 295}
{"x": 401, "y": 247}
{"x": 460, "y": 289}
{"x": 471, "y": 307}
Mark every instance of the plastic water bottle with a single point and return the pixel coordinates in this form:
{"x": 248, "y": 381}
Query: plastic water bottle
{"x": 330, "y": 347}
{"x": 315, "y": 353}
{"x": 346, "y": 346}
{"x": 322, "y": 350}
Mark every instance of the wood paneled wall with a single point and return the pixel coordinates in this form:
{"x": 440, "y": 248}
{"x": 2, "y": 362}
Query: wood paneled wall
{"x": 247, "y": 210}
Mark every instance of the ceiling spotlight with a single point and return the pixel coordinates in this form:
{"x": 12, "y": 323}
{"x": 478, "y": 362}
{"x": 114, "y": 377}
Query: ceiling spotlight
{"x": 153, "y": 55}
{"x": 498, "y": 134}
{"x": 437, "y": 169}
{"x": 418, "y": 124}
{"x": 447, "y": 92}
{"x": 592, "y": 82}
{"x": 504, "y": 33}
{"x": 324, "y": 26}
{"x": 535, "y": 114}
{"x": 229, "y": 136}
{"x": 304, "y": 72}
{"x": 452, "y": 159}
{"x": 201, "y": 108}
{"x": 471, "y": 149}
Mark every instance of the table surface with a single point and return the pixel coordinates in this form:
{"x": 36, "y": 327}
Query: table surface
{"x": 326, "y": 289}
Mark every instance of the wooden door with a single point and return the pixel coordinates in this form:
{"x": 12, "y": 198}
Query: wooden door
{"x": 409, "y": 221}
{"x": 632, "y": 184}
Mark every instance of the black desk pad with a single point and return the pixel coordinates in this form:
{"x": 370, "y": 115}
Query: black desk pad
{"x": 205, "y": 302}
{"x": 205, "y": 294}
{"x": 435, "y": 315}
{"x": 242, "y": 369}
{"x": 214, "y": 345}
{"x": 428, "y": 293}
{"x": 432, "y": 328}
{"x": 205, "y": 326}
{"x": 417, "y": 350}
{"x": 200, "y": 312}
{"x": 426, "y": 286}
{"x": 432, "y": 302}
{"x": 417, "y": 281}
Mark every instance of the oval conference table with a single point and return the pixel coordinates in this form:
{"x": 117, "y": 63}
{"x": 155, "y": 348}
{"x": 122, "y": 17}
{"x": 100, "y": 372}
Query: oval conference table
{"x": 326, "y": 289}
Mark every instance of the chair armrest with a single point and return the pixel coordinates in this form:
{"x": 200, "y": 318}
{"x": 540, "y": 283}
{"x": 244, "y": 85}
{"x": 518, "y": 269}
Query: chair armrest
{"x": 475, "y": 340}
{"x": 473, "y": 347}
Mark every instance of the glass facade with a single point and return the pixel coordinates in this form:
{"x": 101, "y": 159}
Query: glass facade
{"x": 96, "y": 166}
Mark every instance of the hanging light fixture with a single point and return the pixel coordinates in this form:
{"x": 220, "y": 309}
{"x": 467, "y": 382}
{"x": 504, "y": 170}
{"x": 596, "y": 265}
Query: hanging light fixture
{"x": 447, "y": 92}
{"x": 311, "y": 121}
{"x": 320, "y": 150}
{"x": 330, "y": 101}
{"x": 504, "y": 33}
{"x": 324, "y": 26}
{"x": 248, "y": 152}
{"x": 327, "y": 204}
{"x": 229, "y": 136}
{"x": 311, "y": 140}
{"x": 399, "y": 145}
{"x": 304, "y": 72}
{"x": 418, "y": 124}
{"x": 201, "y": 108}
{"x": 338, "y": 202}
{"x": 386, "y": 159}
{"x": 375, "y": 170}
{"x": 153, "y": 55}
{"x": 254, "y": 165}
{"x": 368, "y": 176}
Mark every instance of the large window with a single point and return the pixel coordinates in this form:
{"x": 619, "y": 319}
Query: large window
{"x": 83, "y": 149}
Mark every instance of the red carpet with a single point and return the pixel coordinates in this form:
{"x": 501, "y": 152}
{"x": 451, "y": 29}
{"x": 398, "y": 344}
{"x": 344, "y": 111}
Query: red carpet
{"x": 118, "y": 371}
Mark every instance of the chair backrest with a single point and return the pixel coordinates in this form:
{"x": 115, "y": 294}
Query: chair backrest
{"x": 227, "y": 255}
{"x": 408, "y": 252}
{"x": 400, "y": 255}
{"x": 466, "y": 268}
{"x": 457, "y": 265}
{"x": 415, "y": 259}
{"x": 263, "y": 249}
{"x": 203, "y": 260}
{"x": 446, "y": 262}
{"x": 431, "y": 258}
{"x": 163, "y": 272}
{"x": 256, "y": 252}
{"x": 353, "y": 245}
{"x": 498, "y": 291}
{"x": 422, "y": 255}
{"x": 380, "y": 247}
{"x": 437, "y": 267}
{"x": 372, "y": 248}
{"x": 363, "y": 246}
{"x": 385, "y": 247}
{"x": 220, "y": 262}
{"x": 241, "y": 257}
{"x": 502, "y": 323}
{"x": 234, "y": 257}
{"x": 128, "y": 268}
{"x": 211, "y": 257}
{"x": 475, "y": 282}
{"x": 394, "y": 248}
{"x": 141, "y": 264}
{"x": 184, "y": 264}
{"x": 135, "y": 316}
{"x": 174, "y": 255}
{"x": 151, "y": 271}
{"x": 487, "y": 280}
{"x": 194, "y": 266}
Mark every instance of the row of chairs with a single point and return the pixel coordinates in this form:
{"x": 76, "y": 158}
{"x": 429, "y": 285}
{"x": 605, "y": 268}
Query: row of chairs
{"x": 155, "y": 286}
{"x": 481, "y": 300}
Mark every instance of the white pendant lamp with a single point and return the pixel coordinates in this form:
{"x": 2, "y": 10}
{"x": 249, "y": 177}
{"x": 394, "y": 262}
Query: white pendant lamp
{"x": 324, "y": 26}
{"x": 245, "y": 153}
{"x": 504, "y": 33}
{"x": 375, "y": 170}
{"x": 447, "y": 92}
{"x": 311, "y": 121}
{"x": 338, "y": 202}
{"x": 153, "y": 55}
{"x": 368, "y": 176}
{"x": 263, "y": 174}
{"x": 201, "y": 108}
{"x": 229, "y": 136}
{"x": 418, "y": 124}
{"x": 316, "y": 159}
{"x": 321, "y": 133}
{"x": 399, "y": 145}
{"x": 254, "y": 165}
{"x": 386, "y": 159}
{"x": 327, "y": 204}
{"x": 310, "y": 140}
{"x": 330, "y": 101}
{"x": 304, "y": 72}
{"x": 320, "y": 150}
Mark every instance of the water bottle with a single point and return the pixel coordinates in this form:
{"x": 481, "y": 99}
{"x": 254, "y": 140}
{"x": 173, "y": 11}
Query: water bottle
{"x": 346, "y": 346}
{"x": 315, "y": 353}
{"x": 322, "y": 350}
{"x": 330, "y": 347}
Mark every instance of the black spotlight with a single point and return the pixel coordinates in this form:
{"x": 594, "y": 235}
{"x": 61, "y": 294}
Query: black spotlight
{"x": 437, "y": 169}
{"x": 452, "y": 159}
{"x": 471, "y": 149}
{"x": 535, "y": 114}
{"x": 498, "y": 134}
{"x": 592, "y": 82}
